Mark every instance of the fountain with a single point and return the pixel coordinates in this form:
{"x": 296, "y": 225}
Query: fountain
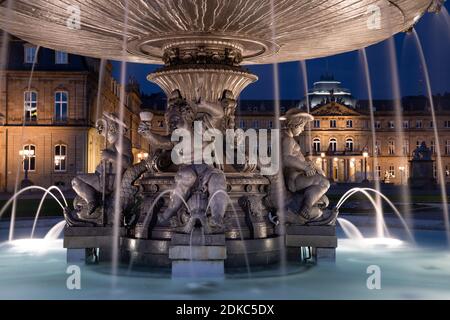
{"x": 150, "y": 212}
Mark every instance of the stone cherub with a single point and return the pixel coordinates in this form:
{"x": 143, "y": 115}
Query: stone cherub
{"x": 194, "y": 183}
{"x": 306, "y": 184}
{"x": 90, "y": 187}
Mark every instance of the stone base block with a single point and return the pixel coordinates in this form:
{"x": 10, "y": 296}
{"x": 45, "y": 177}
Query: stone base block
{"x": 201, "y": 253}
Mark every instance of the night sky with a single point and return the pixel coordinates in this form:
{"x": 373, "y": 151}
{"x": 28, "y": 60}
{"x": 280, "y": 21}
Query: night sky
{"x": 434, "y": 31}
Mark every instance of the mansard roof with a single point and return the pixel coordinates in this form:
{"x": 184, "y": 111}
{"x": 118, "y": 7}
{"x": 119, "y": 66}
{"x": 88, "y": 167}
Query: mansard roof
{"x": 335, "y": 109}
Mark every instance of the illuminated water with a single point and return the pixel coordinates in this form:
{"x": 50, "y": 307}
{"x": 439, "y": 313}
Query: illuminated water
{"x": 407, "y": 273}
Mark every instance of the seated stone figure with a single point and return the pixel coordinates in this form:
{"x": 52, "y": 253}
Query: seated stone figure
{"x": 90, "y": 187}
{"x": 194, "y": 183}
{"x": 306, "y": 184}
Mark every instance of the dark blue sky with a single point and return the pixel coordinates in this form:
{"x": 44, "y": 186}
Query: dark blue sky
{"x": 434, "y": 31}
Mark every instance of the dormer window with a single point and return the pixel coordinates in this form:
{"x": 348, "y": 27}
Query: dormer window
{"x": 61, "y": 57}
{"x": 30, "y": 53}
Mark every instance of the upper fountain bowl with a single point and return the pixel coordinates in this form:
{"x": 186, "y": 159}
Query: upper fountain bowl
{"x": 267, "y": 31}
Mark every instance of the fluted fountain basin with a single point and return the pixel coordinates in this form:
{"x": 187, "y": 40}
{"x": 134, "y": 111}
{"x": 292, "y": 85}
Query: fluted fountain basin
{"x": 266, "y": 31}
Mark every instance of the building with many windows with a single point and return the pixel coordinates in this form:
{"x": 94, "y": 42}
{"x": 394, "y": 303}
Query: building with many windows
{"x": 340, "y": 138}
{"x": 47, "y": 124}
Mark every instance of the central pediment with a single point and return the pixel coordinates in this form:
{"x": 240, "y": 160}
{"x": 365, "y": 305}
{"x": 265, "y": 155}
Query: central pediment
{"x": 334, "y": 109}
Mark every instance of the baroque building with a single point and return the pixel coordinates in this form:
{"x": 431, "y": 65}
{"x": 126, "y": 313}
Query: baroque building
{"x": 52, "y": 116}
{"x": 340, "y": 139}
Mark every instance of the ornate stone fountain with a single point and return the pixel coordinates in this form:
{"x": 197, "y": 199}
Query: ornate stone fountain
{"x": 204, "y": 214}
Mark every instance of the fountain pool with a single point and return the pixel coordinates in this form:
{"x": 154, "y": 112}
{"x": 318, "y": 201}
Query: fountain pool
{"x": 406, "y": 273}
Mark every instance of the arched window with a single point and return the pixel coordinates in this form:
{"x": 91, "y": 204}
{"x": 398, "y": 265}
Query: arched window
{"x": 30, "y": 101}
{"x": 391, "y": 147}
{"x": 61, "y": 103}
{"x": 316, "y": 145}
{"x": 29, "y": 157}
{"x": 60, "y": 158}
{"x": 349, "y": 144}
{"x": 333, "y": 145}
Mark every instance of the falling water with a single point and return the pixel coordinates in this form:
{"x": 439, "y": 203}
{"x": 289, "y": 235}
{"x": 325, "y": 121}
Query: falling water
{"x": 440, "y": 169}
{"x": 350, "y": 230}
{"x": 365, "y": 191}
{"x": 46, "y": 192}
{"x": 41, "y": 204}
{"x": 101, "y": 78}
{"x": 405, "y": 193}
{"x": 119, "y": 161}
{"x": 444, "y": 13}
{"x": 56, "y": 231}
{"x": 376, "y": 179}
{"x": 308, "y": 106}
{"x": 280, "y": 179}
{"x": 238, "y": 223}
{"x": 16, "y": 188}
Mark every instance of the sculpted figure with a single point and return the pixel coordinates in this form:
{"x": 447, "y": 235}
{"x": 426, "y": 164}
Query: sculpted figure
{"x": 196, "y": 183}
{"x": 90, "y": 187}
{"x": 305, "y": 185}
{"x": 422, "y": 152}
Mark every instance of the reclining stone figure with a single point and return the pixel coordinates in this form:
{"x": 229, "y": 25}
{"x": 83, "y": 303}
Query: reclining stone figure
{"x": 303, "y": 183}
{"x": 90, "y": 187}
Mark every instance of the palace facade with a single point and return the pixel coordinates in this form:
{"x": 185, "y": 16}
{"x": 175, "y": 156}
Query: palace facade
{"x": 341, "y": 141}
{"x": 52, "y": 115}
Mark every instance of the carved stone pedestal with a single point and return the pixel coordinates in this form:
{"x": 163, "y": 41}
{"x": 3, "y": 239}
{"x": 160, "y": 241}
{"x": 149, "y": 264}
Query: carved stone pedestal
{"x": 197, "y": 255}
{"x": 89, "y": 244}
{"x": 320, "y": 242}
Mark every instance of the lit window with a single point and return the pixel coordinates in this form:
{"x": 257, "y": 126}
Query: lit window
{"x": 391, "y": 124}
{"x": 316, "y": 145}
{"x": 60, "y": 159}
{"x": 316, "y": 123}
{"x": 61, "y": 103}
{"x": 419, "y": 124}
{"x": 29, "y": 157}
{"x": 30, "y": 105}
{"x": 392, "y": 171}
{"x": 333, "y": 145}
{"x": 378, "y": 172}
{"x": 377, "y": 124}
{"x": 391, "y": 147}
{"x": 405, "y": 124}
{"x": 406, "y": 147}
{"x": 377, "y": 148}
{"x": 30, "y": 53}
{"x": 349, "y": 144}
{"x": 61, "y": 57}
{"x": 332, "y": 123}
{"x": 349, "y": 123}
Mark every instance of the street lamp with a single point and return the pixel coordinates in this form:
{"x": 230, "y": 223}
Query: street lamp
{"x": 402, "y": 170}
{"x": 142, "y": 156}
{"x": 26, "y": 155}
{"x": 365, "y": 156}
